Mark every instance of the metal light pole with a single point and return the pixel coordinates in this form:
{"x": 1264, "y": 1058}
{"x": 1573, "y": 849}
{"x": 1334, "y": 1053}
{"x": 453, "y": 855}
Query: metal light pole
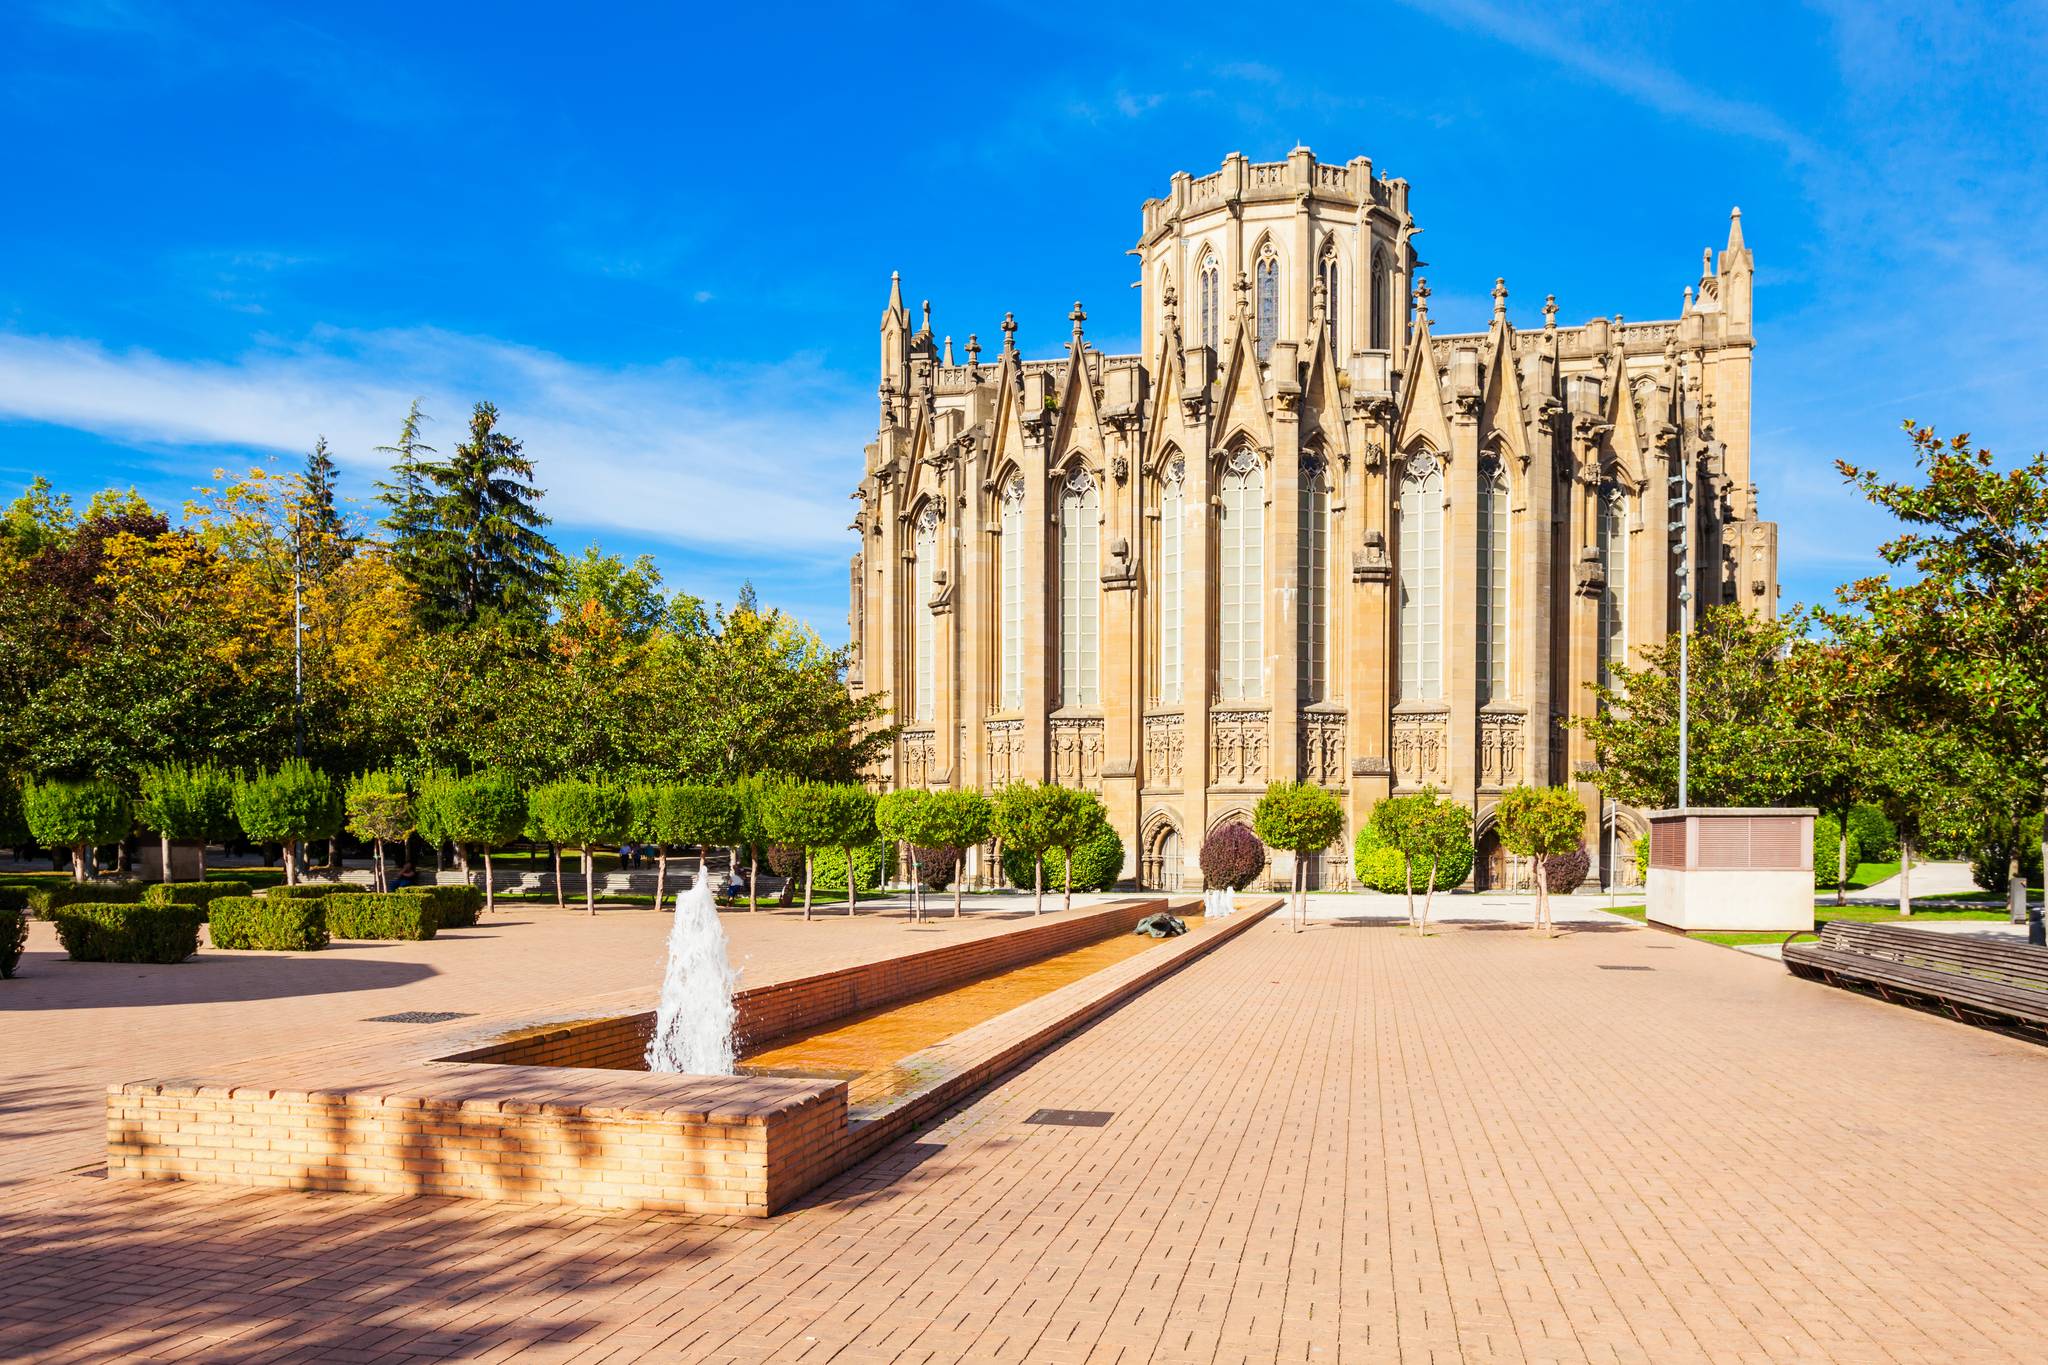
{"x": 1681, "y": 506}
{"x": 298, "y": 640}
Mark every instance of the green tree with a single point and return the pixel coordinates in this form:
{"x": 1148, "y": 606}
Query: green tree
{"x": 582, "y": 815}
{"x": 1540, "y": 822}
{"x": 1426, "y": 830}
{"x": 288, "y": 805}
{"x": 409, "y": 503}
{"x": 691, "y": 813}
{"x": 488, "y": 556}
{"x": 80, "y": 816}
{"x": 1973, "y": 617}
{"x": 754, "y": 795}
{"x": 800, "y": 815}
{"x": 379, "y": 810}
{"x": 900, "y": 817}
{"x": 1078, "y": 818}
{"x": 40, "y": 518}
{"x": 1746, "y": 748}
{"x": 629, "y": 594}
{"x": 485, "y": 809}
{"x": 195, "y": 802}
{"x": 850, "y": 816}
{"x": 1304, "y": 819}
{"x": 962, "y": 819}
{"x": 318, "y": 532}
{"x": 1027, "y": 821}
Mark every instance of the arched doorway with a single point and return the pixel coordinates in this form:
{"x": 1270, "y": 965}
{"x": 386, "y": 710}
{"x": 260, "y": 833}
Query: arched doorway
{"x": 1160, "y": 868}
{"x": 1489, "y": 862}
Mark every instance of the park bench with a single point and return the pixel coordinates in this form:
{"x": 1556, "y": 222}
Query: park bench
{"x": 1998, "y": 983}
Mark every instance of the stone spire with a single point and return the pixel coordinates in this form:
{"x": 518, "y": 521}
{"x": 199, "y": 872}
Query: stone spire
{"x": 973, "y": 356}
{"x": 949, "y": 352}
{"x": 1010, "y": 333}
{"x": 1077, "y": 317}
{"x": 1550, "y": 312}
{"x": 1421, "y": 302}
{"x": 1500, "y": 298}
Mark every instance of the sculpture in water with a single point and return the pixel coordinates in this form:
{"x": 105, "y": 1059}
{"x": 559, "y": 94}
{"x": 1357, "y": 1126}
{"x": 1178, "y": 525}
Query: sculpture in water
{"x": 1217, "y": 903}
{"x": 693, "y": 1026}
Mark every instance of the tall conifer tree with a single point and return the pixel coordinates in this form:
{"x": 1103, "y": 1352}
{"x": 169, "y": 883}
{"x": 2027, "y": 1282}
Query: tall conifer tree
{"x": 497, "y": 561}
{"x": 408, "y": 503}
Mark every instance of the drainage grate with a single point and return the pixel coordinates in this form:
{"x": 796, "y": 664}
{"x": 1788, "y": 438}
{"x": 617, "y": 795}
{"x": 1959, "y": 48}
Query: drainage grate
{"x": 1072, "y": 1118}
{"x": 1620, "y": 967}
{"x": 419, "y": 1017}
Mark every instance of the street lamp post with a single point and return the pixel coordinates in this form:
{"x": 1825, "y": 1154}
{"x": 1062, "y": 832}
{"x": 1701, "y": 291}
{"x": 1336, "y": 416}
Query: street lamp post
{"x": 1681, "y": 523}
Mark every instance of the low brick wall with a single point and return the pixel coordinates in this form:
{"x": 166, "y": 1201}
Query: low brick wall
{"x": 424, "y": 1117}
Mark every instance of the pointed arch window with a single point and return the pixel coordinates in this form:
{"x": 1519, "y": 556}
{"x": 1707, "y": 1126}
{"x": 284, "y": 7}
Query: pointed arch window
{"x": 1080, "y": 586}
{"x": 1173, "y": 509}
{"x": 1494, "y": 603}
{"x": 1614, "y": 572}
{"x": 1011, "y": 520}
{"x": 1241, "y": 558}
{"x": 1312, "y": 575}
{"x": 1333, "y": 310}
{"x": 1421, "y": 529}
{"x": 924, "y": 668}
{"x": 1382, "y": 287}
{"x": 1268, "y": 300}
{"x": 1210, "y": 287}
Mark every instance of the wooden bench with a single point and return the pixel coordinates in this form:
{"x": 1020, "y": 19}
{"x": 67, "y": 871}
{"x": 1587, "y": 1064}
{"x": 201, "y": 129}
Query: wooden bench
{"x": 1998, "y": 983}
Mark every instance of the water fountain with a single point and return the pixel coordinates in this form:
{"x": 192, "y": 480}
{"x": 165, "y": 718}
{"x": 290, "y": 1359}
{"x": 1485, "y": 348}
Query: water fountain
{"x": 693, "y": 1025}
{"x": 1217, "y": 903}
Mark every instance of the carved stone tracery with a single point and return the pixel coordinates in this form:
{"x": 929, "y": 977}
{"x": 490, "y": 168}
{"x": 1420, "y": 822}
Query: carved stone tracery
{"x": 1321, "y": 742}
{"x": 1165, "y": 750}
{"x": 1500, "y": 748}
{"x": 1422, "y": 749}
{"x": 1005, "y": 751}
{"x": 1077, "y": 752}
{"x": 1237, "y": 748}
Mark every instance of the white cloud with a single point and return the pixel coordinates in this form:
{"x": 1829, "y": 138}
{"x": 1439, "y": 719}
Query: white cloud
{"x": 722, "y": 460}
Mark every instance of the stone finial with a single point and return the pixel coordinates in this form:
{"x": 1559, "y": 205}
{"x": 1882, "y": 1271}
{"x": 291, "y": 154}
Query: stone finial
{"x": 1009, "y": 331}
{"x": 1077, "y": 317}
{"x": 1318, "y": 302}
{"x": 1500, "y": 298}
{"x": 1734, "y": 230}
{"x": 1171, "y": 303}
{"x": 947, "y": 359}
{"x": 1706, "y": 263}
{"x": 973, "y": 354}
{"x": 927, "y": 317}
{"x": 1550, "y": 312}
{"x": 1243, "y": 288}
{"x": 895, "y": 289}
{"x": 1687, "y": 306}
{"x": 1421, "y": 300}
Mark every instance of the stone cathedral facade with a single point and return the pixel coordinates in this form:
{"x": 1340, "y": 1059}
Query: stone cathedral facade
{"x": 1302, "y": 534}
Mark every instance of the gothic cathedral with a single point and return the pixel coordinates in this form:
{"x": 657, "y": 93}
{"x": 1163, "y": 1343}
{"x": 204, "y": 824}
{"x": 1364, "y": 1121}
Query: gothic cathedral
{"x": 1301, "y": 535}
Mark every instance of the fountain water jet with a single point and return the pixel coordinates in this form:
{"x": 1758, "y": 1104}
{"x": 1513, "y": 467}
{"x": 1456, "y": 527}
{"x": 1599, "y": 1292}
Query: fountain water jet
{"x": 1217, "y": 903}
{"x": 693, "y": 1025}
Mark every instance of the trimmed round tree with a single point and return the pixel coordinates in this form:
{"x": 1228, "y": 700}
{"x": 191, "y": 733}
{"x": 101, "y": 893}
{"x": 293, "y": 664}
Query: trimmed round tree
{"x": 1429, "y": 832}
{"x": 379, "y": 811}
{"x": 80, "y": 816}
{"x": 194, "y": 803}
{"x": 1304, "y": 819}
{"x": 485, "y": 809}
{"x": 753, "y": 796}
{"x": 288, "y": 805}
{"x": 961, "y": 819}
{"x": 899, "y": 818}
{"x": 798, "y": 815}
{"x": 1079, "y": 819}
{"x": 1027, "y": 822}
{"x": 582, "y": 815}
{"x": 1540, "y": 823}
{"x": 701, "y": 815}
{"x": 1231, "y": 856}
{"x": 850, "y": 819}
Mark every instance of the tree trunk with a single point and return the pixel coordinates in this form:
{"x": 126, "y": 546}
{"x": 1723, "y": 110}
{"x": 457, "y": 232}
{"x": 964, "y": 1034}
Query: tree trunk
{"x": 1296, "y": 897}
{"x": 1038, "y": 884}
{"x": 2015, "y": 887}
{"x": 1408, "y": 877}
{"x": 1542, "y": 917}
{"x": 807, "y": 885}
{"x": 555, "y": 852}
{"x": 661, "y": 876}
{"x": 916, "y": 883}
{"x": 78, "y": 862}
{"x": 850, "y": 879}
{"x": 1429, "y": 894}
{"x": 377, "y": 860}
{"x": 167, "y": 859}
{"x": 1842, "y": 863}
{"x": 1068, "y": 903}
{"x": 753, "y": 876}
{"x": 959, "y": 882}
{"x": 589, "y": 881}
{"x": 490, "y": 883}
{"x": 291, "y": 862}
{"x": 1905, "y": 875}
{"x": 202, "y": 858}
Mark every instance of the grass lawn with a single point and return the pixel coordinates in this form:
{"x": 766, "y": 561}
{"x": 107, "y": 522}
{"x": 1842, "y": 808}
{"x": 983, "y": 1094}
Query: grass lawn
{"x": 1864, "y": 914}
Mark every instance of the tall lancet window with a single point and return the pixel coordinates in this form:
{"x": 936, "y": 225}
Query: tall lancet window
{"x": 1333, "y": 308}
{"x": 1011, "y": 633}
{"x": 1080, "y": 589}
{"x": 1382, "y": 291}
{"x": 1241, "y": 556}
{"x": 1312, "y": 573}
{"x": 1494, "y": 604}
{"x": 1173, "y": 513}
{"x": 1421, "y": 530}
{"x": 1268, "y": 299}
{"x": 924, "y": 668}
{"x": 1614, "y": 569}
{"x": 1209, "y": 284}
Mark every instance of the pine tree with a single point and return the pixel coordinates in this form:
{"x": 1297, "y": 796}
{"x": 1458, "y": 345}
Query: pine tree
{"x": 408, "y": 504}
{"x": 494, "y": 560}
{"x": 317, "y": 523}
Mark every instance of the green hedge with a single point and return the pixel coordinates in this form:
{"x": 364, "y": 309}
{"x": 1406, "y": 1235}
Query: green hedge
{"x": 872, "y": 863}
{"x": 1385, "y": 869}
{"x": 286, "y": 926}
{"x": 305, "y": 891}
{"x": 13, "y": 937}
{"x": 1827, "y": 847}
{"x": 45, "y": 900}
{"x": 1097, "y": 865}
{"x": 460, "y": 905}
{"x": 201, "y": 894}
{"x": 1876, "y": 839}
{"x": 112, "y": 931}
{"x": 368, "y": 914}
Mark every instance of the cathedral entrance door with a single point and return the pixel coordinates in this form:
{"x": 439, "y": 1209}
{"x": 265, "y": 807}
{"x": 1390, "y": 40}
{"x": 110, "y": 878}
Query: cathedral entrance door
{"x": 1493, "y": 863}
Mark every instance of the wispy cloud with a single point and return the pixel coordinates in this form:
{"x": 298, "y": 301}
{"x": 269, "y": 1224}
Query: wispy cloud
{"x": 726, "y": 461}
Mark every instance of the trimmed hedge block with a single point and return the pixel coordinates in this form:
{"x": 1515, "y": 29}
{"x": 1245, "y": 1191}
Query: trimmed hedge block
{"x": 460, "y": 905}
{"x": 119, "y": 931}
{"x": 305, "y": 891}
{"x": 292, "y": 925}
{"x": 13, "y": 938}
{"x": 44, "y": 901}
{"x": 201, "y": 894}
{"x": 370, "y": 914}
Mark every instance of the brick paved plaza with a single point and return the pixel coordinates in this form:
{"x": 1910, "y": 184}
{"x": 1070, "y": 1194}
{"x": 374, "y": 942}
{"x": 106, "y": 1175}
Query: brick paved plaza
{"x": 1346, "y": 1144}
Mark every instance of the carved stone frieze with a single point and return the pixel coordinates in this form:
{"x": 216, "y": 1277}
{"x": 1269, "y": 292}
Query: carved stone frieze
{"x": 920, "y": 756}
{"x": 1501, "y": 745}
{"x": 1237, "y": 748}
{"x": 1422, "y": 749}
{"x": 1077, "y": 751}
{"x": 1005, "y": 751}
{"x": 1320, "y": 738}
{"x": 1165, "y": 750}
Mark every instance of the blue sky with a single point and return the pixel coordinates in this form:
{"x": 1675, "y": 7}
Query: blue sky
{"x": 660, "y": 236}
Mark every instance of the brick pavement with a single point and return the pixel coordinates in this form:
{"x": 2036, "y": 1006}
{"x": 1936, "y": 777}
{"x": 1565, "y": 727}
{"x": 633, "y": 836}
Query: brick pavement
{"x": 1348, "y": 1144}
